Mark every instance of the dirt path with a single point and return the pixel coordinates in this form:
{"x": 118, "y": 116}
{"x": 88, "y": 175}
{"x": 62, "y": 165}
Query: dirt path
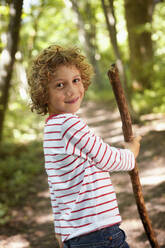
{"x": 32, "y": 225}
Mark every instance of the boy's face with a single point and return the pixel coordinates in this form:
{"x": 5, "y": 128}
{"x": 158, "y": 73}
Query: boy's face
{"x": 65, "y": 90}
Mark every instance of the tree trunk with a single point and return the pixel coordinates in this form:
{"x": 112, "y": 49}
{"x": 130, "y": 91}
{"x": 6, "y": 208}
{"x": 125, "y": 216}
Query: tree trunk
{"x": 8, "y": 58}
{"x": 87, "y": 36}
{"x": 111, "y": 26}
{"x": 139, "y": 18}
{"x": 36, "y": 16}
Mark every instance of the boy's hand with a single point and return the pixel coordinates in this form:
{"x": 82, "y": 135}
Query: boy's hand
{"x": 58, "y": 237}
{"x": 134, "y": 145}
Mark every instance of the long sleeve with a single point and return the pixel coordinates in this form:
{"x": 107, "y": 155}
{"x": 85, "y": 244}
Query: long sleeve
{"x": 80, "y": 141}
{"x": 78, "y": 164}
{"x": 54, "y": 205}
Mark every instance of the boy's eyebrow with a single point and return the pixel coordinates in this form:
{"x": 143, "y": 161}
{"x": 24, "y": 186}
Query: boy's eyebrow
{"x": 58, "y": 79}
{"x": 78, "y": 75}
{"x": 61, "y": 79}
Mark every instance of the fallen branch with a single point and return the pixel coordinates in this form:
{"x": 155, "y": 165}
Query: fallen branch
{"x": 113, "y": 75}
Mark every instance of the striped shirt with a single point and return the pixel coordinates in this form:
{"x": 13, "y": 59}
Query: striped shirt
{"x": 78, "y": 164}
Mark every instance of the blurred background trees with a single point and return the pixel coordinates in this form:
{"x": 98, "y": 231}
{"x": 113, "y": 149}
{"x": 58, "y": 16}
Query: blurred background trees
{"x": 138, "y": 16}
{"x": 8, "y": 56}
{"x": 122, "y": 31}
{"x": 130, "y": 33}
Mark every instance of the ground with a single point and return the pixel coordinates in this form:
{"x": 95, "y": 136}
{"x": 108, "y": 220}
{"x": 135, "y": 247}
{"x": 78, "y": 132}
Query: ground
{"x": 32, "y": 224}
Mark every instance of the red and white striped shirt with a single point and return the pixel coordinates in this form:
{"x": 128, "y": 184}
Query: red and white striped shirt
{"x": 78, "y": 164}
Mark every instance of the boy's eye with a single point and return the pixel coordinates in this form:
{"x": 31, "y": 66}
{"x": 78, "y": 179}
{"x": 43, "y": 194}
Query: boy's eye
{"x": 60, "y": 85}
{"x": 76, "y": 80}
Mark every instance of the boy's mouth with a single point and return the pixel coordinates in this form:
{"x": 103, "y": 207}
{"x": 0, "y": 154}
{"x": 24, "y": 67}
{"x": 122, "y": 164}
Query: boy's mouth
{"x": 73, "y": 100}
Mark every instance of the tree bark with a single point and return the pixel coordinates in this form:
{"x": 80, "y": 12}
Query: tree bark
{"x": 138, "y": 15}
{"x": 128, "y": 135}
{"x": 8, "y": 57}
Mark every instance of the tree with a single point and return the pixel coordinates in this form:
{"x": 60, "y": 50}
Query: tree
{"x": 86, "y": 23}
{"x": 110, "y": 18}
{"x": 139, "y": 18}
{"x": 36, "y": 12}
{"x": 111, "y": 26}
{"x": 8, "y": 57}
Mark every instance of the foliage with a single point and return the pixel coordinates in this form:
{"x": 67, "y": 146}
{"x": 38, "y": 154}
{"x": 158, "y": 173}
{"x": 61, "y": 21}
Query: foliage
{"x": 153, "y": 100}
{"x": 149, "y": 100}
{"x": 104, "y": 96}
{"x": 19, "y": 165}
{"x": 4, "y": 12}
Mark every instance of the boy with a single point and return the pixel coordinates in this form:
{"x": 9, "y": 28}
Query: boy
{"x": 77, "y": 162}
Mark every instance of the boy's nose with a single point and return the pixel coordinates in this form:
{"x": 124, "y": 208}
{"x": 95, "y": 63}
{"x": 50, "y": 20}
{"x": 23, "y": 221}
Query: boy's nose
{"x": 70, "y": 91}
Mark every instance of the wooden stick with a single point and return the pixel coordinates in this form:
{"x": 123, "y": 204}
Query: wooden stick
{"x": 113, "y": 75}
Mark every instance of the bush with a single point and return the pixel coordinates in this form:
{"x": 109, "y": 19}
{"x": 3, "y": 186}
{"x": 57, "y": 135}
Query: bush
{"x": 19, "y": 165}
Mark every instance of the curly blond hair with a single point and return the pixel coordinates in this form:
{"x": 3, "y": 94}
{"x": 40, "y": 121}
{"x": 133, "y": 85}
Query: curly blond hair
{"x": 43, "y": 67}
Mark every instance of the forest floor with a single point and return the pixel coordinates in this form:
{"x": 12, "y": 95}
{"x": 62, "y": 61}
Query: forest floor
{"x": 32, "y": 225}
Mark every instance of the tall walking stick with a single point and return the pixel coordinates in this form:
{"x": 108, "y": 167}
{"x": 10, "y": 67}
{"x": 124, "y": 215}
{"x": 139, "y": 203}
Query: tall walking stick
{"x": 128, "y": 135}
